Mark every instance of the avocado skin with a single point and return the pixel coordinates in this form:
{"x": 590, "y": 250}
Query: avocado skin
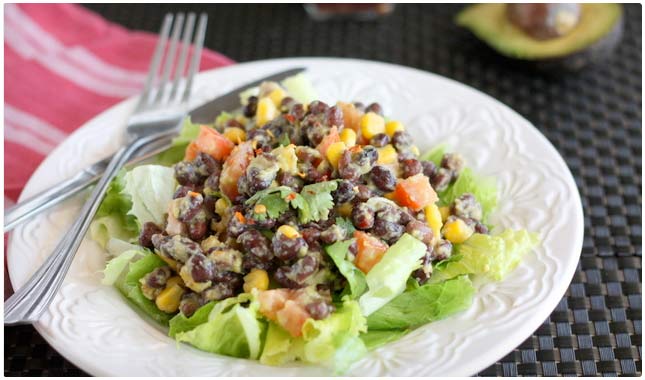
{"x": 577, "y": 58}
{"x": 595, "y": 53}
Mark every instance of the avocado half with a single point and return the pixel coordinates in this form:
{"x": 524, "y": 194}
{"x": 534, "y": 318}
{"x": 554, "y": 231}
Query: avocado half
{"x": 596, "y": 35}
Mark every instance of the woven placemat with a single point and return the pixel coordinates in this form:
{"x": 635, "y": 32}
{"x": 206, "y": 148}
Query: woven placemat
{"x": 592, "y": 117}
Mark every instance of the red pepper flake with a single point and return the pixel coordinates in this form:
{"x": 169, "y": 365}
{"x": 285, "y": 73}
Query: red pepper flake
{"x": 258, "y": 152}
{"x": 240, "y": 217}
{"x": 290, "y": 118}
{"x": 290, "y": 197}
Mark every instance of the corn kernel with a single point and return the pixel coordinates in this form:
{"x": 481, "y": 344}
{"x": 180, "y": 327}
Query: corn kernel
{"x": 348, "y": 136}
{"x": 257, "y": 279}
{"x": 414, "y": 150}
{"x": 288, "y": 231}
{"x": 210, "y": 242}
{"x": 389, "y": 196}
{"x": 168, "y": 300}
{"x": 221, "y": 206}
{"x": 345, "y": 209}
{"x": 372, "y": 124}
{"x": 387, "y": 155}
{"x": 235, "y": 134}
{"x": 175, "y": 280}
{"x": 433, "y": 219}
{"x": 392, "y": 127}
{"x": 265, "y": 112}
{"x": 334, "y": 152}
{"x": 276, "y": 96}
{"x": 260, "y": 209}
{"x": 457, "y": 231}
{"x": 445, "y": 212}
{"x": 242, "y": 119}
{"x": 171, "y": 263}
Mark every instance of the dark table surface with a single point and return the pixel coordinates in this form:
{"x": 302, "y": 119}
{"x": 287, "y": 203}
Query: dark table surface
{"x": 593, "y": 118}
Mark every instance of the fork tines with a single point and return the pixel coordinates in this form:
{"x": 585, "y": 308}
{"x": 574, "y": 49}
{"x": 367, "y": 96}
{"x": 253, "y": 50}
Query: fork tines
{"x": 158, "y": 88}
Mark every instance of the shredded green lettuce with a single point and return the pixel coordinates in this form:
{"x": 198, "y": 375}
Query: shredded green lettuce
{"x": 355, "y": 278}
{"x": 376, "y": 338}
{"x": 117, "y": 266}
{"x": 494, "y": 256}
{"x": 112, "y": 219}
{"x": 430, "y": 302}
{"x": 151, "y": 188}
{"x": 332, "y": 342}
{"x": 129, "y": 286}
{"x": 180, "y": 323}
{"x": 435, "y": 154}
{"x": 175, "y": 153}
{"x": 300, "y": 88}
{"x": 234, "y": 331}
{"x": 387, "y": 279}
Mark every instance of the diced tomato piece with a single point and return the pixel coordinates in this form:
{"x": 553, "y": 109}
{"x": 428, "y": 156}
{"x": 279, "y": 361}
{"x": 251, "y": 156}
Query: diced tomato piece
{"x": 292, "y": 317}
{"x": 415, "y": 192}
{"x": 351, "y": 116}
{"x": 234, "y": 167}
{"x": 210, "y": 142}
{"x": 329, "y": 139}
{"x": 370, "y": 251}
{"x": 271, "y": 301}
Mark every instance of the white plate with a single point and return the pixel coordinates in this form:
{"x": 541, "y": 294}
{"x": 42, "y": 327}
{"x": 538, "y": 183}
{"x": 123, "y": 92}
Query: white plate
{"x": 93, "y": 326}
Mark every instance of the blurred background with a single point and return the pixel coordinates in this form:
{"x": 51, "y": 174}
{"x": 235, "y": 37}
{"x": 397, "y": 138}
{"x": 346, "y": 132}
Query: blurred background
{"x": 593, "y": 116}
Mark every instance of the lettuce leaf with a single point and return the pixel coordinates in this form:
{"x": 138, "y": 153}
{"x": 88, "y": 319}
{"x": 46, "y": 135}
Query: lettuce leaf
{"x": 493, "y": 256}
{"x": 376, "y": 338}
{"x": 129, "y": 286}
{"x": 180, "y": 323}
{"x": 387, "y": 279}
{"x": 175, "y": 153}
{"x": 332, "y": 342}
{"x": 151, "y": 188}
{"x": 234, "y": 331}
{"x": 435, "y": 154}
{"x": 355, "y": 278}
{"x": 112, "y": 219}
{"x": 483, "y": 188}
{"x": 117, "y": 266}
{"x": 428, "y": 303}
{"x": 300, "y": 88}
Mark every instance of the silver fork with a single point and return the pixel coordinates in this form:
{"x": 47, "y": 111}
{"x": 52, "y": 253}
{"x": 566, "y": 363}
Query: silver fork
{"x": 160, "y": 111}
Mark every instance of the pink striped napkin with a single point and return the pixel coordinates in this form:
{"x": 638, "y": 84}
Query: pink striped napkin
{"x": 63, "y": 65}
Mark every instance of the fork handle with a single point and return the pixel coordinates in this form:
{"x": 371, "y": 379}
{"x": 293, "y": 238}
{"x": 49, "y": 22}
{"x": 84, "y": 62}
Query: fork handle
{"x": 33, "y": 298}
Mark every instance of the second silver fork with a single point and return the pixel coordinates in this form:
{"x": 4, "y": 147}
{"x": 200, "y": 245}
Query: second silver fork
{"x": 160, "y": 110}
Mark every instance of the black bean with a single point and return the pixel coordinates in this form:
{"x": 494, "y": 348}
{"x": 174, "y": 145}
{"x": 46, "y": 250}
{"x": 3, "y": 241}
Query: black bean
{"x": 175, "y": 247}
{"x": 200, "y": 268}
{"x": 380, "y": 140}
{"x": 286, "y": 179}
{"x": 376, "y": 108}
{"x": 211, "y": 186}
{"x": 333, "y": 234}
{"x": 197, "y": 229}
{"x": 254, "y": 243}
{"x": 251, "y": 107}
{"x": 303, "y": 268}
{"x": 441, "y": 179}
{"x": 206, "y": 165}
{"x": 220, "y": 291}
{"x": 429, "y": 168}
{"x": 452, "y": 161}
{"x": 466, "y": 206}
{"x": 311, "y": 235}
{"x": 401, "y": 140}
{"x": 345, "y": 192}
{"x": 250, "y": 262}
{"x": 363, "y": 193}
{"x": 287, "y": 249}
{"x": 158, "y": 277}
{"x": 297, "y": 111}
{"x": 319, "y": 309}
{"x": 410, "y": 167}
{"x": 383, "y": 178}
{"x": 282, "y": 276}
{"x": 420, "y": 231}
{"x": 442, "y": 250}
{"x": 187, "y": 174}
{"x": 334, "y": 117}
{"x": 481, "y": 228}
{"x": 422, "y": 275}
{"x": 190, "y": 206}
{"x": 318, "y": 107}
{"x": 367, "y": 157}
{"x": 386, "y": 230}
{"x": 236, "y": 224}
{"x": 189, "y": 303}
{"x": 359, "y": 106}
{"x": 363, "y": 216}
{"x": 145, "y": 237}
{"x": 286, "y": 103}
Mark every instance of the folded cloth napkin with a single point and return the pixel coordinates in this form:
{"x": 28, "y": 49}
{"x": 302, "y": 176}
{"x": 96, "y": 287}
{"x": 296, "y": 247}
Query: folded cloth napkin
{"x": 63, "y": 64}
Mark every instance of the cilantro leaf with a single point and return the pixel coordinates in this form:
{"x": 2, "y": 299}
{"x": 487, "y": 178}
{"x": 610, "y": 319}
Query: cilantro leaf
{"x": 318, "y": 201}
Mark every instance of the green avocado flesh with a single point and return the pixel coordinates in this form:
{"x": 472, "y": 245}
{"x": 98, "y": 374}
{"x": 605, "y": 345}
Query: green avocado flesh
{"x": 490, "y": 24}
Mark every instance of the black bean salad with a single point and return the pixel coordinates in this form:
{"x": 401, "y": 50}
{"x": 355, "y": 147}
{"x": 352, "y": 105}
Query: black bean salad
{"x": 304, "y": 219}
